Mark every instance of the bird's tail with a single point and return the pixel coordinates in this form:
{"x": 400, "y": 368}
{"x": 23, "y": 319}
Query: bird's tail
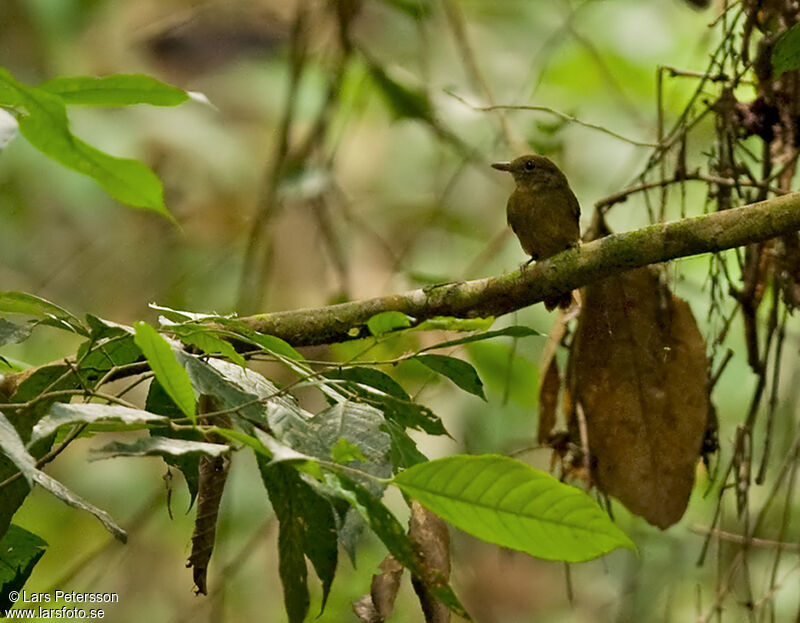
{"x": 559, "y": 300}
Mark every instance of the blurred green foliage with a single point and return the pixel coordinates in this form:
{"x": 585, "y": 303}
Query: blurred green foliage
{"x": 386, "y": 197}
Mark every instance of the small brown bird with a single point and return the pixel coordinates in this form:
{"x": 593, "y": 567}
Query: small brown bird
{"x": 543, "y": 212}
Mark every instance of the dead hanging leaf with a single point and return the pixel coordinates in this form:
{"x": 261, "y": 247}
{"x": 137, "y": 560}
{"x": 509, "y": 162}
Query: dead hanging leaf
{"x": 431, "y": 539}
{"x": 548, "y": 401}
{"x": 212, "y": 475}
{"x": 377, "y": 606}
{"x": 638, "y": 368}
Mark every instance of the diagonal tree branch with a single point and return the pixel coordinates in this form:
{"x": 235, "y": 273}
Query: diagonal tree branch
{"x": 566, "y": 271}
{"x": 496, "y": 296}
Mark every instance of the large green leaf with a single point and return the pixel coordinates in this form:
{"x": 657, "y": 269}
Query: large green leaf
{"x": 307, "y": 528}
{"x": 115, "y": 90}
{"x": 164, "y": 364}
{"x": 457, "y": 370}
{"x": 46, "y": 128}
{"x": 255, "y": 398}
{"x": 504, "y": 501}
{"x": 23, "y": 303}
{"x": 20, "y": 550}
{"x": 359, "y": 424}
{"x": 13, "y": 448}
{"x": 159, "y": 446}
{"x": 61, "y": 414}
{"x": 390, "y": 398}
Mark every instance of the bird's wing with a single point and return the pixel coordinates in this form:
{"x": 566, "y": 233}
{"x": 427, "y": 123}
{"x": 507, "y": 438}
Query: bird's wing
{"x": 574, "y": 206}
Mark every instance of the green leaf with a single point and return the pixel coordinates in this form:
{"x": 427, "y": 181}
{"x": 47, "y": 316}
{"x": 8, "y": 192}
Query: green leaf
{"x": 13, "y": 333}
{"x": 116, "y": 90}
{"x": 158, "y": 446}
{"x": 390, "y": 398}
{"x": 359, "y": 424}
{"x": 507, "y": 372}
{"x": 264, "y": 444}
{"x": 172, "y": 376}
{"x": 189, "y": 464}
{"x": 101, "y": 328}
{"x": 105, "y": 354}
{"x": 449, "y": 323}
{"x": 385, "y": 322}
{"x": 273, "y": 344}
{"x": 370, "y": 377}
{"x": 46, "y": 128}
{"x": 345, "y": 452}
{"x": 515, "y": 331}
{"x": 23, "y": 303}
{"x": 254, "y": 397}
{"x": 404, "y": 101}
{"x": 386, "y": 527}
{"x": 457, "y": 370}
{"x": 404, "y": 452}
{"x": 413, "y": 8}
{"x": 13, "y": 448}
{"x": 207, "y": 340}
{"x": 307, "y": 528}
{"x": 20, "y": 550}
{"x": 786, "y": 53}
{"x": 504, "y": 501}
{"x": 61, "y": 414}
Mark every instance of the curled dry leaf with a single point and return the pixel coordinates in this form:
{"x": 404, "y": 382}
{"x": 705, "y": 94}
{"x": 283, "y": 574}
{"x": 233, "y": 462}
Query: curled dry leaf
{"x": 638, "y": 368}
{"x": 431, "y": 539}
{"x": 377, "y": 606}
{"x": 212, "y": 476}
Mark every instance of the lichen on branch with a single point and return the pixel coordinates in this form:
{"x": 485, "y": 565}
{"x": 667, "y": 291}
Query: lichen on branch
{"x": 495, "y": 296}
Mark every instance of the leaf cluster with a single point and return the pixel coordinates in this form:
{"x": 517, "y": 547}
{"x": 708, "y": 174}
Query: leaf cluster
{"x": 324, "y": 473}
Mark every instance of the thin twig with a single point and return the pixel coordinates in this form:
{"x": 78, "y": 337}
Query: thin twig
{"x": 557, "y": 113}
{"x": 623, "y": 195}
{"x": 742, "y": 539}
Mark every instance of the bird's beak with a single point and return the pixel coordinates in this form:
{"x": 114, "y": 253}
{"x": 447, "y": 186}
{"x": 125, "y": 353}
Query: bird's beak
{"x": 502, "y": 166}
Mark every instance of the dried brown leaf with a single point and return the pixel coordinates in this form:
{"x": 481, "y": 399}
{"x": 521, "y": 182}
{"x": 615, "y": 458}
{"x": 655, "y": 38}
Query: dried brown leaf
{"x": 638, "y": 368}
{"x": 548, "y": 401}
{"x": 213, "y": 471}
{"x": 212, "y": 476}
{"x": 431, "y": 539}
{"x": 377, "y": 606}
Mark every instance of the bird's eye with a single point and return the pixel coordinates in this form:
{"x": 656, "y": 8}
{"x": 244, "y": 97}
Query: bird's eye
{"x": 529, "y": 165}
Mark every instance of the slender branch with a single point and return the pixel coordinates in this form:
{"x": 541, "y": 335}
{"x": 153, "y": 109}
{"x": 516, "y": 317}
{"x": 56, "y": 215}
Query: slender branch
{"x": 566, "y": 271}
{"x": 557, "y": 113}
{"x": 623, "y": 194}
{"x": 743, "y": 539}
